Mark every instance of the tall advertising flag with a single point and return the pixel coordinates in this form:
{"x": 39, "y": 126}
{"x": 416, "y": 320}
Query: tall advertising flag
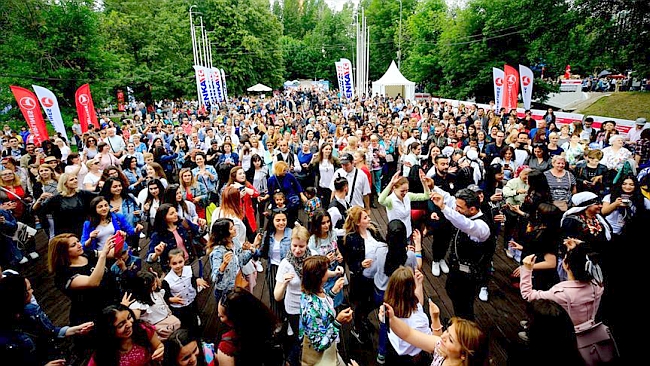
{"x": 218, "y": 84}
{"x": 28, "y": 104}
{"x": 85, "y": 107}
{"x": 339, "y": 77}
{"x": 511, "y": 87}
{"x": 526, "y": 85}
{"x": 202, "y": 86}
{"x": 51, "y": 107}
{"x": 348, "y": 83}
{"x": 225, "y": 89}
{"x": 497, "y": 79}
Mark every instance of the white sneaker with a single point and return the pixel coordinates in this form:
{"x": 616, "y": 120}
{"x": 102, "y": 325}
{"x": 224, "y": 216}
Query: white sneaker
{"x": 258, "y": 266}
{"x": 435, "y": 268}
{"x": 443, "y": 266}
{"x": 23, "y": 261}
{"x": 483, "y": 295}
{"x": 33, "y": 255}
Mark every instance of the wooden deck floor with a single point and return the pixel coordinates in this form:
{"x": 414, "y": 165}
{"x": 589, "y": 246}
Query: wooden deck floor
{"x": 499, "y": 317}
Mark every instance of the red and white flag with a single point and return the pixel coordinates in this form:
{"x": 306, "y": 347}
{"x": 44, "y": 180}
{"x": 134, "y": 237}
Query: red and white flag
{"x": 85, "y": 108}
{"x": 511, "y": 87}
{"x": 51, "y": 106}
{"x": 526, "y": 78}
{"x": 497, "y": 80}
{"x": 29, "y": 105}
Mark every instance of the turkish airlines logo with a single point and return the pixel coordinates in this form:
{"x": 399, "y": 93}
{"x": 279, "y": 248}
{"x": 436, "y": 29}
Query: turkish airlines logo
{"x": 83, "y": 99}
{"x": 27, "y": 103}
{"x": 525, "y": 80}
{"x": 47, "y": 102}
{"x": 512, "y": 79}
{"x": 499, "y": 81}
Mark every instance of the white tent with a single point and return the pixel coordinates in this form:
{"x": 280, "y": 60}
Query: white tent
{"x": 393, "y": 83}
{"x": 259, "y": 88}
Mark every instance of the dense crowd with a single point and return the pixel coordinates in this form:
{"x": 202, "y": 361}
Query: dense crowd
{"x": 284, "y": 186}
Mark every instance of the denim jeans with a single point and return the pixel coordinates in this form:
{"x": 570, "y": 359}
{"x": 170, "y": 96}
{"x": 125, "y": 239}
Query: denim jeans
{"x": 383, "y": 330}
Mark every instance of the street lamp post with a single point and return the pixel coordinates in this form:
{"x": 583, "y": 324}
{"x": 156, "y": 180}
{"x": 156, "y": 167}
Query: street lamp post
{"x": 399, "y": 43}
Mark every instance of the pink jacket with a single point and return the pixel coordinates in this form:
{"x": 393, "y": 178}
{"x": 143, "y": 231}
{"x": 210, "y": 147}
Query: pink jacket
{"x": 583, "y": 297}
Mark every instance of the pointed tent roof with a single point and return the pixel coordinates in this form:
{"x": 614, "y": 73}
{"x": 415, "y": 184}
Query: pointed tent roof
{"x": 259, "y": 88}
{"x": 394, "y": 77}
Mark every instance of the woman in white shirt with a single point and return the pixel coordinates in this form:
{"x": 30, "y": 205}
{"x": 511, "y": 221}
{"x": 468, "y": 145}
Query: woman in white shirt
{"x": 324, "y": 164}
{"x": 404, "y": 294}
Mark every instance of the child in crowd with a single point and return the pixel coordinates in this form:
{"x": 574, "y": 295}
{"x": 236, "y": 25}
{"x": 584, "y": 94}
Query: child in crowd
{"x": 313, "y": 203}
{"x": 126, "y": 267}
{"x": 279, "y": 203}
{"x": 181, "y": 288}
{"x": 150, "y": 305}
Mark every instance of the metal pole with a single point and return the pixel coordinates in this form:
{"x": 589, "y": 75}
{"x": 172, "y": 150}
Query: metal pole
{"x": 194, "y": 47}
{"x": 367, "y": 71}
{"x": 399, "y": 44}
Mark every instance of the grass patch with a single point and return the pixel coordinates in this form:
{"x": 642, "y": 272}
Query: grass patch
{"x": 625, "y": 105}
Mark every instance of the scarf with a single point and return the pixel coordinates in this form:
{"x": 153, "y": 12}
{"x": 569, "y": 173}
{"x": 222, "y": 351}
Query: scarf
{"x": 297, "y": 262}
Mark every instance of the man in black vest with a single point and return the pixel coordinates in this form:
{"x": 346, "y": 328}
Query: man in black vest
{"x": 469, "y": 244}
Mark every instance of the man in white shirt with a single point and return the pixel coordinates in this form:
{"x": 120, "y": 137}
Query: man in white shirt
{"x": 288, "y": 157}
{"x": 634, "y": 134}
{"x": 358, "y": 185}
{"x": 115, "y": 142}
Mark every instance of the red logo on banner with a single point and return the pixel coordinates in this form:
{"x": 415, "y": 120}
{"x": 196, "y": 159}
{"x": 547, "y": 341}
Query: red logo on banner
{"x": 29, "y": 106}
{"x": 47, "y": 102}
{"x": 83, "y": 99}
{"x": 499, "y": 82}
{"x": 512, "y": 79}
{"x": 525, "y": 80}
{"x": 27, "y": 103}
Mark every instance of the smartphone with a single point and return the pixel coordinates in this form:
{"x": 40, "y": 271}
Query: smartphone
{"x": 498, "y": 191}
{"x": 386, "y": 320}
{"x": 119, "y": 243}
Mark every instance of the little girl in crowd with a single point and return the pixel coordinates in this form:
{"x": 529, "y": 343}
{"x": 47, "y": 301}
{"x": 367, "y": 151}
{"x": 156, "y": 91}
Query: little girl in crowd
{"x": 150, "y": 305}
{"x": 181, "y": 287}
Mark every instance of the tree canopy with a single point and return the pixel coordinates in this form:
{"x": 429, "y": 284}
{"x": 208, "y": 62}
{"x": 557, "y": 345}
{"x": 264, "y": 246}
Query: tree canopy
{"x": 448, "y": 51}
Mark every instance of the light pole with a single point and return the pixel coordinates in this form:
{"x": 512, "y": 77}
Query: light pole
{"x": 399, "y": 42}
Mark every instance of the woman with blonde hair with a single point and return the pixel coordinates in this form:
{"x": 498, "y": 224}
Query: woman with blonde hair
{"x": 359, "y": 249}
{"x": 93, "y": 176}
{"x": 282, "y": 180}
{"x": 45, "y": 187}
{"x": 193, "y": 190}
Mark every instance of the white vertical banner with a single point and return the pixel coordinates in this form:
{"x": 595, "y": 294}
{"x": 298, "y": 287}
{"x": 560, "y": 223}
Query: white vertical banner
{"x": 225, "y": 89}
{"x": 51, "y": 106}
{"x": 202, "y": 85}
{"x": 526, "y": 78}
{"x": 215, "y": 76}
{"x": 339, "y": 76}
{"x": 348, "y": 78}
{"x": 497, "y": 78}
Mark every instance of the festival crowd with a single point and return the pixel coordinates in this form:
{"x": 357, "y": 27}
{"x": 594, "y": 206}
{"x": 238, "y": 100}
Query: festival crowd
{"x": 280, "y": 190}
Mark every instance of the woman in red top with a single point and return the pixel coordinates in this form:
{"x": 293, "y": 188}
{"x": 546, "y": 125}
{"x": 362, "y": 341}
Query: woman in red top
{"x": 247, "y": 192}
{"x": 11, "y": 189}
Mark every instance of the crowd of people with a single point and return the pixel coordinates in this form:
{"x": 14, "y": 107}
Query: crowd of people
{"x": 285, "y": 186}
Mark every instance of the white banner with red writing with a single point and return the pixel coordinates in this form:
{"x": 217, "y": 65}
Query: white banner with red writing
{"x": 225, "y": 88}
{"x": 497, "y": 79}
{"x": 526, "y": 77}
{"x": 348, "y": 79}
{"x": 511, "y": 87}
{"x": 28, "y": 104}
{"x": 85, "y": 108}
{"x": 203, "y": 84}
{"x": 51, "y": 107}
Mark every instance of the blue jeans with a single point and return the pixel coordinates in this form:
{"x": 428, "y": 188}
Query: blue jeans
{"x": 383, "y": 330}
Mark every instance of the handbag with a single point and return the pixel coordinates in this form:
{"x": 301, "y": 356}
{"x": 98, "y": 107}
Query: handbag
{"x": 240, "y": 280}
{"x": 167, "y": 326}
{"x": 595, "y": 341}
{"x": 597, "y": 345}
{"x": 311, "y": 357}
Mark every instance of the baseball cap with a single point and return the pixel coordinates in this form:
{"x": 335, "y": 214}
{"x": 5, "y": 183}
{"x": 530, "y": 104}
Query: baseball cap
{"x": 474, "y": 188}
{"x": 640, "y": 121}
{"x": 346, "y": 158}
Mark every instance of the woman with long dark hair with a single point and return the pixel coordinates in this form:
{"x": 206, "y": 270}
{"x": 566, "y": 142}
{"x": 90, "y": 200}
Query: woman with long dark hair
{"x": 390, "y": 257}
{"x": 193, "y": 190}
{"x": 125, "y": 340}
{"x": 103, "y": 224}
{"x": 251, "y": 327}
{"x": 323, "y": 241}
{"x": 153, "y": 198}
{"x": 276, "y": 244}
{"x": 183, "y": 348}
{"x": 248, "y": 193}
{"x": 124, "y": 203}
{"x": 132, "y": 173}
{"x": 258, "y": 174}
